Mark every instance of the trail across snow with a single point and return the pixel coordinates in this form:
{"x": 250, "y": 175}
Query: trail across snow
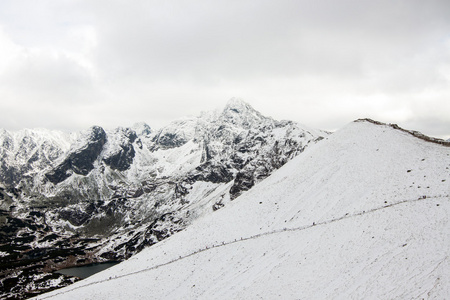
{"x": 243, "y": 239}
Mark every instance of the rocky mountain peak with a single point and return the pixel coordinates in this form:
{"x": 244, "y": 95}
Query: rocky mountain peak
{"x": 237, "y": 115}
{"x": 238, "y": 105}
{"x": 242, "y": 114}
{"x": 95, "y": 134}
{"x": 142, "y": 128}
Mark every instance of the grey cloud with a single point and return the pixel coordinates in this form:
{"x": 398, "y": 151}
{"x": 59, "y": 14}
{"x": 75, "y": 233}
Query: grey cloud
{"x": 44, "y": 89}
{"x": 47, "y": 77}
{"x": 259, "y": 38}
{"x": 323, "y": 63}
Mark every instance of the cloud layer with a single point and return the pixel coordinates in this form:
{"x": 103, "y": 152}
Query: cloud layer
{"x": 71, "y": 64}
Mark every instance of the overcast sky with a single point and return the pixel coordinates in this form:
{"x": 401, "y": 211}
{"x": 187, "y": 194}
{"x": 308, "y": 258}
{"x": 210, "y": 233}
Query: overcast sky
{"x": 67, "y": 64}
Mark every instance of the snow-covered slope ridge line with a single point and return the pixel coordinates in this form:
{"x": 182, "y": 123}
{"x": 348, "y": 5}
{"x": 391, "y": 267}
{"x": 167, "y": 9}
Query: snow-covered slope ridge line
{"x": 363, "y": 214}
{"x": 417, "y": 134}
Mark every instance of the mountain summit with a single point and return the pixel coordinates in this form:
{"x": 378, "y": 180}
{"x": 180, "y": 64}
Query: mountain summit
{"x": 241, "y": 114}
{"x": 238, "y": 106}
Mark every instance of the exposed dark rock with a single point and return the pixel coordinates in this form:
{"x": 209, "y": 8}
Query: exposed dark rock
{"x": 243, "y": 182}
{"x": 75, "y": 217}
{"x": 210, "y": 172}
{"x": 218, "y": 206}
{"x": 167, "y": 140}
{"x": 9, "y": 175}
{"x": 80, "y": 160}
{"x": 158, "y": 230}
{"x": 122, "y": 158}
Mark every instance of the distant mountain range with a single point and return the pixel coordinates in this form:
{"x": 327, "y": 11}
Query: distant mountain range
{"x": 104, "y": 195}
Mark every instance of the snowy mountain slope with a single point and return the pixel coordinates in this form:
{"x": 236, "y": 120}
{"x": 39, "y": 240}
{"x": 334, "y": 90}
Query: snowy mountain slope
{"x": 363, "y": 214}
{"x": 27, "y": 151}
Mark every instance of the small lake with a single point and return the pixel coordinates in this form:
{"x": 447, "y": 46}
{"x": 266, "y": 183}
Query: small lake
{"x": 86, "y": 271}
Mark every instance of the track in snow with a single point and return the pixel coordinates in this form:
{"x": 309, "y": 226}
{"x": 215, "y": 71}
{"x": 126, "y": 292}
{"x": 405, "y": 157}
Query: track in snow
{"x": 223, "y": 244}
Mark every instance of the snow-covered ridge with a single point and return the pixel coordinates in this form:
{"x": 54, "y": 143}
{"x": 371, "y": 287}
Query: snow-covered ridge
{"x": 417, "y": 134}
{"x": 362, "y": 214}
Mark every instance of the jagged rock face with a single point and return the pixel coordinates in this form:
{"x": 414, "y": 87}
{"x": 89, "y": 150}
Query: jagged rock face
{"x": 28, "y": 151}
{"x": 122, "y": 154}
{"x": 122, "y": 159}
{"x": 241, "y": 114}
{"x": 9, "y": 175}
{"x": 130, "y": 187}
{"x": 80, "y": 160}
{"x": 142, "y": 129}
{"x": 175, "y": 135}
{"x": 210, "y": 172}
